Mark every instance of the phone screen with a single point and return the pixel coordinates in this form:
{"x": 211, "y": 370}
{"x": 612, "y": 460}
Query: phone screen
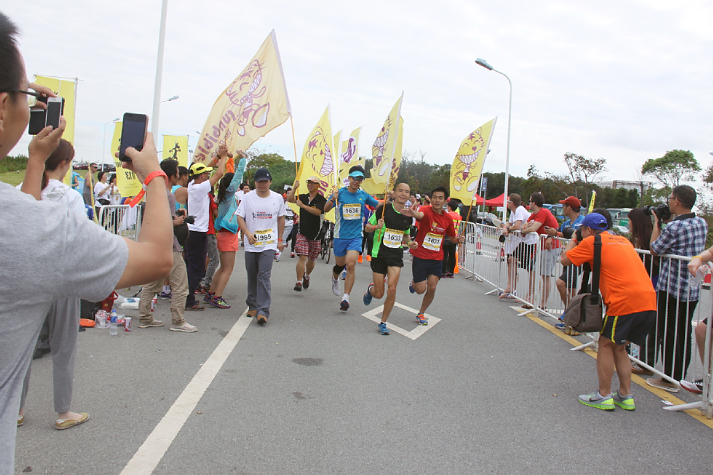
{"x": 54, "y": 111}
{"x": 133, "y": 133}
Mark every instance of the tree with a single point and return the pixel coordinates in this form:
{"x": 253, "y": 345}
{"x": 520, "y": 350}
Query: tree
{"x": 584, "y": 170}
{"x": 672, "y": 168}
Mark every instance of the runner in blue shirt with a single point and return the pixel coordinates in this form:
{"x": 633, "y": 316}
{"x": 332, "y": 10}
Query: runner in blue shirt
{"x": 349, "y": 205}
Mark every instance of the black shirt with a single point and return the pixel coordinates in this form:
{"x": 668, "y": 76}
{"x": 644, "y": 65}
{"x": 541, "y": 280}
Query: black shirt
{"x": 310, "y": 223}
{"x": 396, "y": 225}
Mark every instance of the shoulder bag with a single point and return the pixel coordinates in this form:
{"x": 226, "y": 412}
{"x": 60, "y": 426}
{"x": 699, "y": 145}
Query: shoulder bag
{"x": 584, "y": 312}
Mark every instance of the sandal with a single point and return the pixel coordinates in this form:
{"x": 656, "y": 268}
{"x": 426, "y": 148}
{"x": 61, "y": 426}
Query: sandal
{"x": 641, "y": 371}
{"x": 505, "y": 296}
{"x": 195, "y": 307}
{"x": 526, "y": 305}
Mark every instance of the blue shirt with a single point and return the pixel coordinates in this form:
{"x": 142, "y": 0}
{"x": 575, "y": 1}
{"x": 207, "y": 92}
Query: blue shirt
{"x": 350, "y": 213}
{"x": 577, "y": 223}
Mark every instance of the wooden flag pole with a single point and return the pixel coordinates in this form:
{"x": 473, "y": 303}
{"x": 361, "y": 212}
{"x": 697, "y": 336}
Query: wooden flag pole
{"x": 294, "y": 143}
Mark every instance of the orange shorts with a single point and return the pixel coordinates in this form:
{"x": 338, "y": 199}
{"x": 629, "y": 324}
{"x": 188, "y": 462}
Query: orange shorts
{"x": 228, "y": 241}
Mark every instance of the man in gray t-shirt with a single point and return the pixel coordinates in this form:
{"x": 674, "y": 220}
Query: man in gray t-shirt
{"x": 45, "y": 255}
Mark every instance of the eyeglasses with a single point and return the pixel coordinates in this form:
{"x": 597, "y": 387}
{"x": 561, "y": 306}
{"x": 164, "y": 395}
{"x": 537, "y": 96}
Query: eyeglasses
{"x": 672, "y": 198}
{"x": 32, "y": 95}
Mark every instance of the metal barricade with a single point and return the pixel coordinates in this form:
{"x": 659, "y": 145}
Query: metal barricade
{"x": 122, "y": 220}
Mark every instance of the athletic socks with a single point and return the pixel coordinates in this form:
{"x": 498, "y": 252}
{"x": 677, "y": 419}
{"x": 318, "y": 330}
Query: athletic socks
{"x": 346, "y": 297}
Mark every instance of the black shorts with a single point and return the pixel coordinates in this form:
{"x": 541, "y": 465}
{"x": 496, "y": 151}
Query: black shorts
{"x": 525, "y": 255}
{"x": 380, "y": 265}
{"x": 422, "y": 268}
{"x": 570, "y": 274}
{"x": 633, "y": 327}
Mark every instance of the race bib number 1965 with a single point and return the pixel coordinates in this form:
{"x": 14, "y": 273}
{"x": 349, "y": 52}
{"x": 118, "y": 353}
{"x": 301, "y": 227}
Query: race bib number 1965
{"x": 432, "y": 242}
{"x": 351, "y": 211}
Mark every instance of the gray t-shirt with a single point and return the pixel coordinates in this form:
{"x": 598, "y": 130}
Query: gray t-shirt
{"x": 52, "y": 253}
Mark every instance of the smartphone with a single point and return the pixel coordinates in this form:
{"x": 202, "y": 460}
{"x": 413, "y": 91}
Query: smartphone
{"x": 38, "y": 118}
{"x": 133, "y": 133}
{"x": 55, "y": 108}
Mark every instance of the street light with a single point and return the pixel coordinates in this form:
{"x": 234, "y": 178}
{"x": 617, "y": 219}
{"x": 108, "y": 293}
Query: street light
{"x": 486, "y": 65}
{"x": 170, "y": 99}
{"x": 104, "y": 147}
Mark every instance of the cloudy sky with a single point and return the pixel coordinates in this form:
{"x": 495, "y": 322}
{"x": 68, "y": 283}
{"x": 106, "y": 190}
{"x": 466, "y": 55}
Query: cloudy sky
{"x": 625, "y": 80}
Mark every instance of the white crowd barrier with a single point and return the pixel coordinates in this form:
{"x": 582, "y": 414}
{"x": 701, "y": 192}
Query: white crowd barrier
{"x": 122, "y": 220}
{"x": 534, "y": 278}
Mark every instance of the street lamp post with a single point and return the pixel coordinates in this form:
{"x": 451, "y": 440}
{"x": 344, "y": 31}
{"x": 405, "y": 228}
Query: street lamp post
{"x": 170, "y": 99}
{"x": 486, "y": 65}
{"x": 104, "y": 147}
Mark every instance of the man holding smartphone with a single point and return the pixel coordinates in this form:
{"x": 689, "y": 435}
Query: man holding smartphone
{"x": 56, "y": 237}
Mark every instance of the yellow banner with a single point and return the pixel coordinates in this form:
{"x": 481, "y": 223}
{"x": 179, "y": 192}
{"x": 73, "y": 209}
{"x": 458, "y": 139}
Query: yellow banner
{"x": 251, "y": 106}
{"x": 382, "y": 152}
{"x": 468, "y": 163}
{"x": 65, "y": 89}
{"x": 591, "y": 202}
{"x": 349, "y": 157}
{"x": 176, "y": 147}
{"x": 126, "y": 180}
{"x": 371, "y": 187}
{"x": 317, "y": 159}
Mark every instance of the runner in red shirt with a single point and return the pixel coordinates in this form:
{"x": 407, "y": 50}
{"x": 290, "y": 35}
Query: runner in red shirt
{"x": 540, "y": 219}
{"x": 427, "y": 262}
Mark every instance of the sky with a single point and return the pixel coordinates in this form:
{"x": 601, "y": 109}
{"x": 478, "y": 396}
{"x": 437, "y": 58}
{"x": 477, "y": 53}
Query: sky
{"x": 624, "y": 80}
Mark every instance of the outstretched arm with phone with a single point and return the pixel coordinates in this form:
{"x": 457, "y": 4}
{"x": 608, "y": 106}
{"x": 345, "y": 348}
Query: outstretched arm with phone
{"x": 39, "y": 150}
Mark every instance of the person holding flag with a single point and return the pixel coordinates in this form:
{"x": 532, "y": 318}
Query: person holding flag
{"x": 392, "y": 226}
{"x": 427, "y": 264}
{"x": 348, "y": 231}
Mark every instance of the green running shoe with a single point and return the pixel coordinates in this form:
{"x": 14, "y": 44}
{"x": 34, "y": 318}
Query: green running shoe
{"x": 605, "y": 403}
{"x": 624, "y": 402}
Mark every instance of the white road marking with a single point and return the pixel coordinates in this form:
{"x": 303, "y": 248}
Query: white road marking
{"x": 154, "y": 448}
{"x": 375, "y": 316}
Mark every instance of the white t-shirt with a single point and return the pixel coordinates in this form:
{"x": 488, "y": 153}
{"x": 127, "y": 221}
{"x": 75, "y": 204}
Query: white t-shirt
{"x": 260, "y": 215}
{"x": 42, "y": 245}
{"x": 520, "y": 214}
{"x": 64, "y": 194}
{"x": 199, "y": 205}
{"x": 100, "y": 193}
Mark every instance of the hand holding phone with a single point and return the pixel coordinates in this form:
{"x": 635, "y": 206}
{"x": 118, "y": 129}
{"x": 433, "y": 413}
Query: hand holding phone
{"x": 133, "y": 134}
{"x": 143, "y": 162}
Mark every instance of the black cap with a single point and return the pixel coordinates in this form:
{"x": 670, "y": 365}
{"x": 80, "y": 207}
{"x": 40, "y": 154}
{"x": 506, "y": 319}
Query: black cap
{"x": 263, "y": 174}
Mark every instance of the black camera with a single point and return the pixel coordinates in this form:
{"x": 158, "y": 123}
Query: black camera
{"x": 189, "y": 219}
{"x": 661, "y": 211}
{"x": 569, "y": 231}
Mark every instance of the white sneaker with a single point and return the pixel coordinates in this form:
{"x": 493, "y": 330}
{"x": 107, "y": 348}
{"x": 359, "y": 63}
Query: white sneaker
{"x": 186, "y": 328}
{"x": 335, "y": 286}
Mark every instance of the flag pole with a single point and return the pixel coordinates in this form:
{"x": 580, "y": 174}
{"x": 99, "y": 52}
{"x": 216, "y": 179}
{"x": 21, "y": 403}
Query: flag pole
{"x": 393, "y": 151}
{"x": 294, "y": 143}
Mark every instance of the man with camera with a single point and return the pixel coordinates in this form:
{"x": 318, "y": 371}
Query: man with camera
{"x": 55, "y": 238}
{"x": 200, "y": 184}
{"x": 630, "y": 302}
{"x": 567, "y": 282}
{"x": 685, "y": 235}
{"x": 178, "y": 278}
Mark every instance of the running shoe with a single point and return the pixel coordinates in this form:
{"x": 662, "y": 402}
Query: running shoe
{"x": 382, "y": 329}
{"x": 165, "y": 296}
{"x": 367, "y": 295}
{"x": 624, "y": 402}
{"x": 218, "y": 302}
{"x": 421, "y": 319}
{"x": 605, "y": 403}
{"x": 292, "y": 254}
{"x": 696, "y": 387}
{"x": 410, "y": 288}
{"x": 344, "y": 306}
{"x": 298, "y": 287}
{"x": 559, "y": 326}
{"x": 208, "y": 297}
{"x": 154, "y": 323}
{"x": 305, "y": 281}
{"x": 185, "y": 328}
{"x": 335, "y": 286}
{"x": 344, "y": 275}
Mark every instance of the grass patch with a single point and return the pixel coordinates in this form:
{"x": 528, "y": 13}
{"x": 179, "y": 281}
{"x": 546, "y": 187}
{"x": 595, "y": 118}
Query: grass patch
{"x": 13, "y": 178}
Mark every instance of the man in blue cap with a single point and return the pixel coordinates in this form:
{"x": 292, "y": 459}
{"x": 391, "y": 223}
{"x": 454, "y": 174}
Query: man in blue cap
{"x": 348, "y": 231}
{"x": 630, "y": 302}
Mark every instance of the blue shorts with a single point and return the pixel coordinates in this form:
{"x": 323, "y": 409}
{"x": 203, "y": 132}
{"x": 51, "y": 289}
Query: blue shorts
{"x": 422, "y": 268}
{"x": 341, "y": 246}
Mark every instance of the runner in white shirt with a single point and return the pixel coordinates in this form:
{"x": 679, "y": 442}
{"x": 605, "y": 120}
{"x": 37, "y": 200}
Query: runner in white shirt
{"x": 261, "y": 216}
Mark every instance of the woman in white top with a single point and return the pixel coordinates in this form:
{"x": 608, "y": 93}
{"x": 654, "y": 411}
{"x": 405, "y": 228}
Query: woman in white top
{"x": 62, "y": 321}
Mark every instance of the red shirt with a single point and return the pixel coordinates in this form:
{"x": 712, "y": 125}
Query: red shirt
{"x": 546, "y": 218}
{"x": 432, "y": 229}
{"x": 211, "y": 219}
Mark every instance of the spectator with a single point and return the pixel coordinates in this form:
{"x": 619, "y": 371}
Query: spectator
{"x": 101, "y": 191}
{"x": 677, "y": 300}
{"x": 199, "y": 207}
{"x": 56, "y": 237}
{"x": 88, "y": 191}
{"x": 180, "y": 189}
{"x": 696, "y": 386}
{"x": 516, "y": 250}
{"x": 630, "y": 308}
{"x": 451, "y": 244}
{"x": 537, "y": 224}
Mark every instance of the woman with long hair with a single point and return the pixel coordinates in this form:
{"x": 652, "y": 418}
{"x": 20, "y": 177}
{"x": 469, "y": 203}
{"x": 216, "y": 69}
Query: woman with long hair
{"x": 226, "y": 227}
{"x": 62, "y": 321}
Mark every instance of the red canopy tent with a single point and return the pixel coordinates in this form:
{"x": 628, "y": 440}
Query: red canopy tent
{"x": 478, "y": 201}
{"x": 493, "y": 202}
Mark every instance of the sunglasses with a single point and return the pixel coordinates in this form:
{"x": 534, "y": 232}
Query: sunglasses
{"x": 32, "y": 96}
{"x": 357, "y": 178}
{"x": 312, "y": 182}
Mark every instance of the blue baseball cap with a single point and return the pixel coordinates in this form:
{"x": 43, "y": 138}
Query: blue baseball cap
{"x": 595, "y": 221}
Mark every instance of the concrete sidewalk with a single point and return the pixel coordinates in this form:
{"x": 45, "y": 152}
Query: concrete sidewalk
{"x": 320, "y": 391}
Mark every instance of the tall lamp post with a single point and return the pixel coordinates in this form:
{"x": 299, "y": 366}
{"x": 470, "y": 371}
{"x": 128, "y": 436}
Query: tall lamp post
{"x": 104, "y": 147}
{"x": 486, "y": 65}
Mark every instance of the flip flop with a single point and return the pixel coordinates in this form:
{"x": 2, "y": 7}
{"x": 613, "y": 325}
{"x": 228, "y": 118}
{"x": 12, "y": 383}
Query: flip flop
{"x": 526, "y": 305}
{"x": 507, "y": 296}
{"x": 196, "y": 307}
{"x": 62, "y": 424}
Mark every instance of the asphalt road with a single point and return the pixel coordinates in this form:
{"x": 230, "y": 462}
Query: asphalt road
{"x": 319, "y": 391}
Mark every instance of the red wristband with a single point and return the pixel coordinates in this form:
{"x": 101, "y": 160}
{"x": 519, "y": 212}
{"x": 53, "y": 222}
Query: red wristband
{"x": 150, "y": 177}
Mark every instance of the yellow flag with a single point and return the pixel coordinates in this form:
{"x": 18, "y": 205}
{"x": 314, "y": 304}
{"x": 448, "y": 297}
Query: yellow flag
{"x": 349, "y": 157}
{"x": 382, "y": 152}
{"x": 468, "y": 163}
{"x": 176, "y": 147}
{"x": 252, "y": 105}
{"x": 372, "y": 188}
{"x": 591, "y": 202}
{"x": 126, "y": 180}
{"x": 397, "y": 156}
{"x": 317, "y": 158}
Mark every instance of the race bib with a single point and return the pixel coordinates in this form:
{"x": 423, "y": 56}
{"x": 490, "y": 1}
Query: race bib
{"x": 393, "y": 238}
{"x": 264, "y": 237}
{"x": 432, "y": 242}
{"x": 351, "y": 211}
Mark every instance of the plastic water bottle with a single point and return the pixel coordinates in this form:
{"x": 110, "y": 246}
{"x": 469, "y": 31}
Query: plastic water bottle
{"x": 696, "y": 280}
{"x": 113, "y": 325}
{"x": 153, "y": 302}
